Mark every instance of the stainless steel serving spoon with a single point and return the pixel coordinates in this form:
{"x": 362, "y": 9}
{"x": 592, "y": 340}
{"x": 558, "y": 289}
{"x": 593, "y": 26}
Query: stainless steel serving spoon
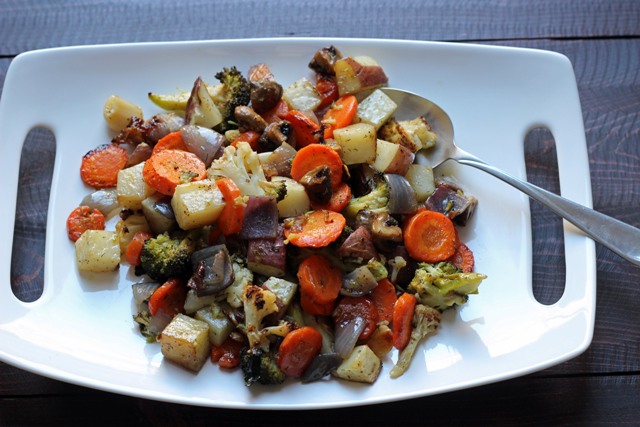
{"x": 616, "y": 235}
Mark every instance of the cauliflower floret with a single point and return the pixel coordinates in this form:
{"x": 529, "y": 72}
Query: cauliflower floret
{"x": 240, "y": 164}
{"x": 258, "y": 303}
{"x": 243, "y": 277}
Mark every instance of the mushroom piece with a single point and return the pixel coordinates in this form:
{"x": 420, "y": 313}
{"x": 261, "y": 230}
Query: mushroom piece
{"x": 324, "y": 59}
{"x": 274, "y": 135}
{"x": 265, "y": 94}
{"x": 317, "y": 183}
{"x": 386, "y": 232}
{"x": 248, "y": 119}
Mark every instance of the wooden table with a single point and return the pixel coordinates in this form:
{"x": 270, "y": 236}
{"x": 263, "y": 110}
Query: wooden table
{"x": 600, "y": 37}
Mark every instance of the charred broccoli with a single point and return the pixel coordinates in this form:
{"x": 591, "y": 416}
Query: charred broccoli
{"x": 237, "y": 91}
{"x": 167, "y": 256}
{"x": 260, "y": 366}
{"x": 443, "y": 285}
{"x": 376, "y": 200}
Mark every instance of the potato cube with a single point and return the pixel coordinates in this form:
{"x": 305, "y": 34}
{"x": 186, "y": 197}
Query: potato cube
{"x": 131, "y": 187}
{"x": 362, "y": 365}
{"x": 196, "y": 204}
{"x": 185, "y": 341}
{"x": 358, "y": 143}
{"x": 118, "y": 112}
{"x": 375, "y": 109}
{"x": 392, "y": 158}
{"x": 220, "y": 326}
{"x": 284, "y": 290}
{"x": 98, "y": 251}
{"x": 358, "y": 73}
{"x": 421, "y": 179}
{"x": 302, "y": 95}
{"x": 296, "y": 201}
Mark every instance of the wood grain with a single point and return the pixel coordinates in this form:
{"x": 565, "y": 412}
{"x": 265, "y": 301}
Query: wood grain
{"x": 31, "y": 24}
{"x": 601, "y": 38}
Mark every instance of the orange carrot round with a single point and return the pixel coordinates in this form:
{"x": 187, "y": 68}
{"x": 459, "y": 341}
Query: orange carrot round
{"x": 463, "y": 258}
{"x": 402, "y": 317}
{"x": 384, "y": 298}
{"x": 297, "y": 350}
{"x": 314, "y": 155}
{"x": 134, "y": 248}
{"x": 231, "y": 218}
{"x": 169, "y": 297}
{"x": 339, "y": 115}
{"x": 83, "y": 218}
{"x": 166, "y": 169}
{"x": 100, "y": 166}
{"x": 172, "y": 141}
{"x": 339, "y": 199}
{"x": 315, "y": 229}
{"x": 319, "y": 279}
{"x": 430, "y": 237}
{"x": 314, "y": 308}
{"x": 304, "y": 128}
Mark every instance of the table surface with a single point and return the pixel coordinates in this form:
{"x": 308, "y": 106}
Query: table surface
{"x": 600, "y": 37}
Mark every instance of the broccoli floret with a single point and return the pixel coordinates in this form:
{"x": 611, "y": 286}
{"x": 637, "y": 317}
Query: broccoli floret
{"x": 376, "y": 200}
{"x": 425, "y": 321}
{"x": 260, "y": 366}
{"x": 443, "y": 285}
{"x": 242, "y": 165}
{"x": 237, "y": 91}
{"x": 167, "y": 256}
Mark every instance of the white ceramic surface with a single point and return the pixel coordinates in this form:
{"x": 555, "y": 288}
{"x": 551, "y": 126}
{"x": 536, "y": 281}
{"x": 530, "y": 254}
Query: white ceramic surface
{"x": 81, "y": 330}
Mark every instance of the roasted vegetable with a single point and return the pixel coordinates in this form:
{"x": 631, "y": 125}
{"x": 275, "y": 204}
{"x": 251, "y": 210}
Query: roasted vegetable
{"x": 443, "y": 285}
{"x": 236, "y": 91}
{"x": 376, "y": 200}
{"x": 260, "y": 366}
{"x": 167, "y": 256}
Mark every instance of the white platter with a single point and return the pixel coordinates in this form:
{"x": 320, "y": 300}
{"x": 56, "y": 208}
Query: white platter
{"x": 81, "y": 331}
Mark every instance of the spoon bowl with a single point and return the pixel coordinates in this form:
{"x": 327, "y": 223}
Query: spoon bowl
{"x": 621, "y": 238}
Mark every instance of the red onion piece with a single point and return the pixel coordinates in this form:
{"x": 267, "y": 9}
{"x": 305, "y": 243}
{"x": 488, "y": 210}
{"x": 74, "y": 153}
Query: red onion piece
{"x": 260, "y": 218}
{"x": 203, "y": 142}
{"x": 402, "y": 197}
{"x": 358, "y": 282}
{"x": 347, "y": 335}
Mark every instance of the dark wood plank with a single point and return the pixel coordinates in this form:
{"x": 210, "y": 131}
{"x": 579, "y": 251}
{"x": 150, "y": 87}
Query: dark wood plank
{"x": 530, "y": 401}
{"x": 30, "y": 24}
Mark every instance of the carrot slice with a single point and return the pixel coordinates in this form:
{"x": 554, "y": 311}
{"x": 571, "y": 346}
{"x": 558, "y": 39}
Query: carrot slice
{"x": 297, "y": 350}
{"x": 328, "y": 90}
{"x": 169, "y": 297}
{"x": 430, "y": 237}
{"x": 314, "y": 155}
{"x": 100, "y": 166}
{"x": 402, "y": 316}
{"x": 339, "y": 115}
{"x": 250, "y": 137}
{"x": 315, "y": 229}
{"x": 463, "y": 258}
{"x": 351, "y": 307}
{"x": 319, "y": 279}
{"x": 339, "y": 199}
{"x": 231, "y": 217}
{"x": 172, "y": 141}
{"x": 304, "y": 129}
{"x": 134, "y": 248}
{"x": 227, "y": 355}
{"x": 384, "y": 297}
{"x": 166, "y": 169}
{"x": 309, "y": 305}
{"x": 83, "y": 218}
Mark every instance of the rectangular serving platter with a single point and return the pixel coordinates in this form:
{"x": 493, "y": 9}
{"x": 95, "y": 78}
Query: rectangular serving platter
{"x": 81, "y": 330}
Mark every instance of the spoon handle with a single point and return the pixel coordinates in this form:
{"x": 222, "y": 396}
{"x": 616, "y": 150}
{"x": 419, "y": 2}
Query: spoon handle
{"x": 621, "y": 238}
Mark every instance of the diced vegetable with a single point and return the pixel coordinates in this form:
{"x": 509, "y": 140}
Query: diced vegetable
{"x": 358, "y": 143}
{"x": 197, "y": 204}
{"x": 98, "y": 251}
{"x": 362, "y": 365}
{"x": 302, "y": 95}
{"x": 375, "y": 109}
{"x": 131, "y": 187}
{"x": 185, "y": 341}
{"x": 118, "y": 112}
